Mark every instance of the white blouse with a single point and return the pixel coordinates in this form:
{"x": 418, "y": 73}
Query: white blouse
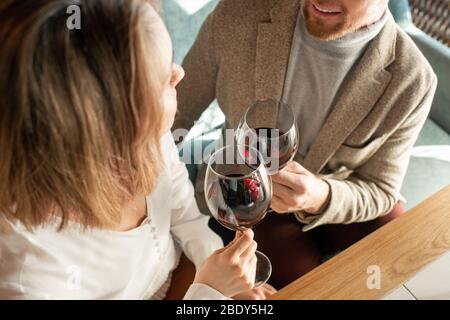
{"x": 101, "y": 264}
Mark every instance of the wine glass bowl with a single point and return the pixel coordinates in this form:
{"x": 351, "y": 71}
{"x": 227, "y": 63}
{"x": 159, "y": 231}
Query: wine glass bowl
{"x": 238, "y": 192}
{"x": 270, "y": 126}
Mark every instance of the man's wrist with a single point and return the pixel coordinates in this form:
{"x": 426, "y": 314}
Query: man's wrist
{"x": 324, "y": 199}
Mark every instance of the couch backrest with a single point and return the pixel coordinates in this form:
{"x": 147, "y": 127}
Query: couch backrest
{"x": 437, "y": 54}
{"x": 400, "y": 11}
{"x": 184, "y": 19}
{"x": 439, "y": 57}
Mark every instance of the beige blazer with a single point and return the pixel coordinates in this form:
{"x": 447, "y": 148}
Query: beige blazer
{"x": 363, "y": 149}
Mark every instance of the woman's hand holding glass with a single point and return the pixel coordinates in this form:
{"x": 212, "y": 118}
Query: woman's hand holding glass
{"x": 231, "y": 270}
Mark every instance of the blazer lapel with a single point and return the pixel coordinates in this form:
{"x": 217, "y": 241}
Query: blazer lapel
{"x": 273, "y": 49}
{"x": 358, "y": 96}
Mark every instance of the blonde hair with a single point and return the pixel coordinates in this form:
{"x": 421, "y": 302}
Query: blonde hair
{"x": 81, "y": 110}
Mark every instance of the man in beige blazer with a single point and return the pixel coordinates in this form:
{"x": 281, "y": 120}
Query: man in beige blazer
{"x": 353, "y": 168}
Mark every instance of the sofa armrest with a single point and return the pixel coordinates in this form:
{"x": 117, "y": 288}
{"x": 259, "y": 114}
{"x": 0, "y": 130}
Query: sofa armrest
{"x": 439, "y": 57}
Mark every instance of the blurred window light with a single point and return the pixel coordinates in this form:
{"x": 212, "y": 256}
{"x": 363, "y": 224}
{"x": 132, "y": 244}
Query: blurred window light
{"x": 192, "y": 6}
{"x": 436, "y": 152}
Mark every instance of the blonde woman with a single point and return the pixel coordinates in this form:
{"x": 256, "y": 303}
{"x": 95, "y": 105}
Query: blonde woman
{"x": 94, "y": 203}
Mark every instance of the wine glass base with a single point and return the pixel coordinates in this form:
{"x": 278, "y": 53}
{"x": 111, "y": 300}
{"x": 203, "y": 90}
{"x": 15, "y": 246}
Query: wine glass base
{"x": 263, "y": 269}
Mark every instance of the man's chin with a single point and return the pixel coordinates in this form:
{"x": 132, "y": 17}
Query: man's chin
{"x": 324, "y": 33}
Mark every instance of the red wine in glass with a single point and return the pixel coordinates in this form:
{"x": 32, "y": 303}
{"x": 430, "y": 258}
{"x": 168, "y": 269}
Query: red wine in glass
{"x": 276, "y": 145}
{"x": 243, "y": 202}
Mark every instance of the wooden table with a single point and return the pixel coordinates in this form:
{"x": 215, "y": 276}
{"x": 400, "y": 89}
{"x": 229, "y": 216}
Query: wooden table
{"x": 400, "y": 249}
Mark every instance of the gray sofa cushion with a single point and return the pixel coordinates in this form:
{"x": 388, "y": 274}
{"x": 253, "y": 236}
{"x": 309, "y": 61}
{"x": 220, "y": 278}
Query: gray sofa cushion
{"x": 428, "y": 172}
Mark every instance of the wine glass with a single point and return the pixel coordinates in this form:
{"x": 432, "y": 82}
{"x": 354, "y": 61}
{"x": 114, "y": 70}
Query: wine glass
{"x": 270, "y": 126}
{"x": 238, "y": 192}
